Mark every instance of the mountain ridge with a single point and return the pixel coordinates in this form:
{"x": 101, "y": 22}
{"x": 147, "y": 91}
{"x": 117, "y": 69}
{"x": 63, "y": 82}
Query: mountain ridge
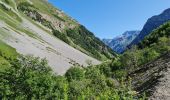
{"x": 120, "y": 43}
{"x": 151, "y": 24}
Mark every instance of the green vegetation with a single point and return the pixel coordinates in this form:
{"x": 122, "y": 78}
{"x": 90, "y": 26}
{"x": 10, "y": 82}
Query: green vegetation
{"x": 7, "y": 52}
{"x": 152, "y": 47}
{"x": 9, "y": 2}
{"x": 86, "y": 40}
{"x": 13, "y": 20}
{"x": 46, "y": 8}
{"x": 61, "y": 36}
{"x": 27, "y": 77}
{"x": 31, "y": 78}
{"x": 9, "y": 12}
{"x": 30, "y": 11}
{"x": 154, "y": 37}
{"x": 6, "y": 1}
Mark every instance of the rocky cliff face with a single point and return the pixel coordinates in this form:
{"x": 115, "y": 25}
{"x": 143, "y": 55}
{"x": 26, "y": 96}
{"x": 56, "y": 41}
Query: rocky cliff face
{"x": 120, "y": 43}
{"x": 152, "y": 23}
{"x": 153, "y": 78}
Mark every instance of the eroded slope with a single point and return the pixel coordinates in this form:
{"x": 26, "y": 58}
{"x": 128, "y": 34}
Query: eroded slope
{"x": 153, "y": 78}
{"x": 29, "y": 37}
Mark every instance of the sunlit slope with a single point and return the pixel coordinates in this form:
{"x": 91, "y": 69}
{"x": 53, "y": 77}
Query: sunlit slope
{"x": 29, "y": 36}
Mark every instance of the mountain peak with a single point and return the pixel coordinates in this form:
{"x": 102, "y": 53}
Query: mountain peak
{"x": 120, "y": 43}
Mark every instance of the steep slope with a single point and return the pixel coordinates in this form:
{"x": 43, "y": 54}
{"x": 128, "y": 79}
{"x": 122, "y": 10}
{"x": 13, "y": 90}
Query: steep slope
{"x": 152, "y": 23}
{"x": 120, "y": 43}
{"x": 154, "y": 37}
{"x": 106, "y": 41}
{"x": 65, "y": 28}
{"x": 31, "y": 33}
{"x": 153, "y": 78}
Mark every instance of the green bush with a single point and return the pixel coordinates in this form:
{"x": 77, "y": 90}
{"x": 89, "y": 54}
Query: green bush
{"x": 31, "y": 78}
{"x": 7, "y": 52}
{"x": 74, "y": 73}
{"x": 6, "y": 1}
{"x": 105, "y": 69}
{"x": 25, "y": 6}
{"x": 61, "y": 36}
{"x": 92, "y": 72}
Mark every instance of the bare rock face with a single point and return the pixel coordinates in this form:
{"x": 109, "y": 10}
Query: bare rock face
{"x": 153, "y": 78}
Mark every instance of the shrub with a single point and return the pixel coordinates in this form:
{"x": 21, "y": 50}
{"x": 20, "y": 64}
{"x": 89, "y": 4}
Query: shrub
{"x": 61, "y": 36}
{"x": 31, "y": 78}
{"x": 75, "y": 73}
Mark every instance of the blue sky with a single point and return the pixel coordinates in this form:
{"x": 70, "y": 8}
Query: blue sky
{"x": 109, "y": 18}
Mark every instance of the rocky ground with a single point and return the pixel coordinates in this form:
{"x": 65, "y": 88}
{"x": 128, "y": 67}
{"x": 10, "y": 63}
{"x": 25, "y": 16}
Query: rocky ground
{"x": 153, "y": 78}
{"x": 162, "y": 89}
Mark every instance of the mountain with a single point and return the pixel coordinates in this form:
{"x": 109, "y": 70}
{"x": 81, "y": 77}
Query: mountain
{"x": 35, "y": 27}
{"x": 106, "y": 41}
{"x": 120, "y": 43}
{"x": 151, "y": 24}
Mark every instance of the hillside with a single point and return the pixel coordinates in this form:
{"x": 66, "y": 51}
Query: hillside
{"x": 35, "y": 27}
{"x": 28, "y": 77}
{"x": 151, "y": 24}
{"x": 153, "y": 78}
{"x": 66, "y": 28}
{"x": 151, "y": 64}
{"x": 120, "y": 43}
